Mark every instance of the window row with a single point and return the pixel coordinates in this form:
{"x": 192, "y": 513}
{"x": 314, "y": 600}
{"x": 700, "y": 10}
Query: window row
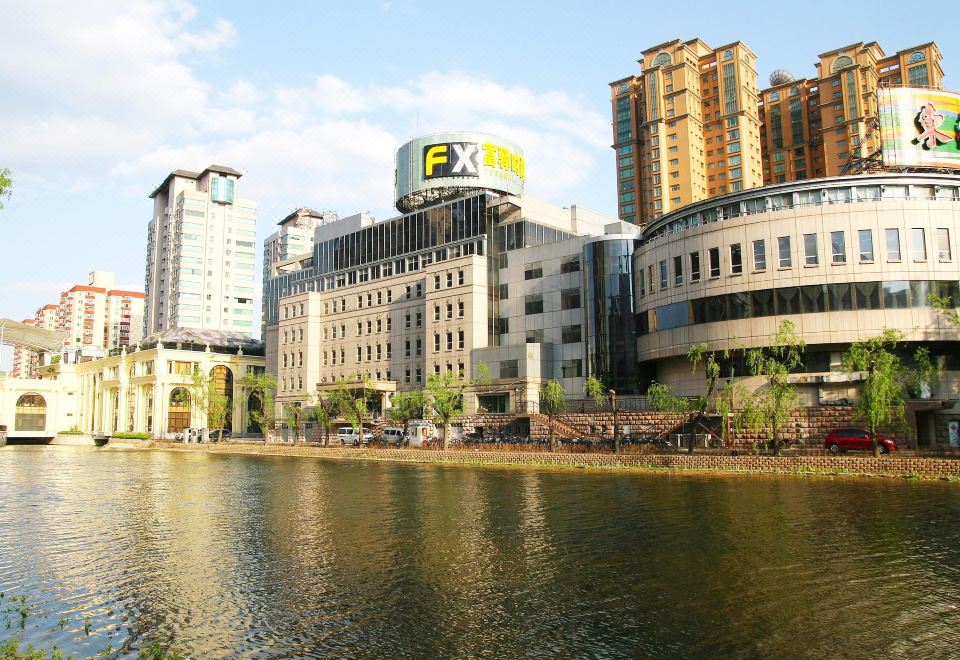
{"x": 811, "y": 299}
{"x": 679, "y": 270}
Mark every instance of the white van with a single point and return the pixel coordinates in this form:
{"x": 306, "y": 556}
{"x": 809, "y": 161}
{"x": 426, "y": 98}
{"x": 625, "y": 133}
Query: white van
{"x": 347, "y": 436}
{"x": 394, "y": 436}
{"x": 421, "y": 434}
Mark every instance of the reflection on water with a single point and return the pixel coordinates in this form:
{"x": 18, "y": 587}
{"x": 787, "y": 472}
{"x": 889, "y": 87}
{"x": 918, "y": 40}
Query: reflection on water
{"x": 277, "y": 557}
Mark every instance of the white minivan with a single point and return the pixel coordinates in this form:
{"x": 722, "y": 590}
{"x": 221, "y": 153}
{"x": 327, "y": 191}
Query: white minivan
{"x": 347, "y": 436}
{"x": 394, "y": 436}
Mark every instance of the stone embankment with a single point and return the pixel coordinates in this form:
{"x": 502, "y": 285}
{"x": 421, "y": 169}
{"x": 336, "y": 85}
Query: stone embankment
{"x": 850, "y": 465}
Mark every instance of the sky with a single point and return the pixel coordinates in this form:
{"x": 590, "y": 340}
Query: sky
{"x": 99, "y": 101}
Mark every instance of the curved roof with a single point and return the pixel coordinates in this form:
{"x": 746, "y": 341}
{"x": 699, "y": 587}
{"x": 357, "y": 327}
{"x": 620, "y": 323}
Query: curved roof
{"x": 22, "y": 335}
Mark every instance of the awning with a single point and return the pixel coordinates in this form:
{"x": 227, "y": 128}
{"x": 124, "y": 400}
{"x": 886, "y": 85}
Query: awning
{"x": 14, "y": 333}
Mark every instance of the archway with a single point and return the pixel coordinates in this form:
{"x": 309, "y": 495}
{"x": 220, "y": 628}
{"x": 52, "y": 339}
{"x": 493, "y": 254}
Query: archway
{"x": 254, "y": 405}
{"x": 31, "y": 413}
{"x": 178, "y": 411}
{"x": 221, "y": 378}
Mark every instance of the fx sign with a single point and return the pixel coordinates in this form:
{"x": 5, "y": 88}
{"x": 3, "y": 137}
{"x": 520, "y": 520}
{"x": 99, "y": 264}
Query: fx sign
{"x": 451, "y": 159}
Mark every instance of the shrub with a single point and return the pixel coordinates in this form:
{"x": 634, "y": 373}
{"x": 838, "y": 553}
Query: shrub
{"x": 123, "y": 435}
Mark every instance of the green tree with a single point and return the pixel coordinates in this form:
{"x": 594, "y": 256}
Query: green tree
{"x": 922, "y": 374}
{"x": 261, "y": 387}
{"x": 445, "y": 399}
{"x": 594, "y": 388}
{"x": 711, "y": 366}
{"x": 294, "y": 415}
{"x": 880, "y": 403}
{"x": 662, "y": 399}
{"x": 944, "y": 305}
{"x": 553, "y": 403}
{"x": 351, "y": 395}
{"x": 769, "y": 407}
{"x": 405, "y": 406}
{"x": 213, "y": 404}
{"x": 6, "y": 185}
{"x": 324, "y": 411}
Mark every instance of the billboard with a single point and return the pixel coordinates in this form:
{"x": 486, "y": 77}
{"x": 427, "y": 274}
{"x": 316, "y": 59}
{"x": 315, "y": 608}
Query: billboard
{"x": 919, "y": 127}
{"x": 447, "y": 165}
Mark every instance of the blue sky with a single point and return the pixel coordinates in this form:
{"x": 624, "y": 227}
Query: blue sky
{"x": 100, "y": 100}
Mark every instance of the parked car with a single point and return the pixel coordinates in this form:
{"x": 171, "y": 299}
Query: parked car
{"x": 394, "y": 436}
{"x": 347, "y": 436}
{"x": 841, "y": 440}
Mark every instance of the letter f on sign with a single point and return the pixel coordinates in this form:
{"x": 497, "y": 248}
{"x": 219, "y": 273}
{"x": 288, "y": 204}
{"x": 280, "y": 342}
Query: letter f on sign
{"x": 436, "y": 155}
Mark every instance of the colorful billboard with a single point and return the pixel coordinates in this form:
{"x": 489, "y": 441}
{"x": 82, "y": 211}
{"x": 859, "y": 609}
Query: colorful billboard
{"x": 446, "y": 165}
{"x": 919, "y": 127}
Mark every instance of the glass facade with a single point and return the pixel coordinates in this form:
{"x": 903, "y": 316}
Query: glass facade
{"x": 611, "y": 331}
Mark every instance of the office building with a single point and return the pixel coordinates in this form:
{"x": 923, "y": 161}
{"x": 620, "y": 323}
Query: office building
{"x": 473, "y": 272}
{"x": 685, "y": 129}
{"x": 200, "y": 254}
{"x": 817, "y": 127}
{"x": 293, "y": 238}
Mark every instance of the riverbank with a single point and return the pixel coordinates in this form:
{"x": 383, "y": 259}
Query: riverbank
{"x": 848, "y": 465}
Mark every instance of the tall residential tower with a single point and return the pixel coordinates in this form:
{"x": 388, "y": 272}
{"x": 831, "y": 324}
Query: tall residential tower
{"x": 200, "y": 254}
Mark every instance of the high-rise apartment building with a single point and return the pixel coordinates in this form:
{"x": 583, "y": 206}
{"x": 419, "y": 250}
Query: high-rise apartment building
{"x": 812, "y": 127}
{"x": 200, "y": 254}
{"x": 293, "y": 238}
{"x": 22, "y": 367}
{"x": 686, "y": 128}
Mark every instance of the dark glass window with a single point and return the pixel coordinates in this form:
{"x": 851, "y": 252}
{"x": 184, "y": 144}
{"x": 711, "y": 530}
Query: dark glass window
{"x": 570, "y": 299}
{"x": 868, "y": 295}
{"x": 716, "y": 309}
{"x": 533, "y": 304}
{"x": 738, "y": 305}
{"x": 762, "y": 302}
{"x": 841, "y": 297}
{"x": 813, "y": 298}
{"x": 714, "y": 256}
{"x": 571, "y": 334}
{"x": 896, "y": 295}
{"x": 788, "y": 300}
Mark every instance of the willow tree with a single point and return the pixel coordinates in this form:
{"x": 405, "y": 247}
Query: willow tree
{"x": 323, "y": 411}
{"x": 769, "y": 407}
{"x": 260, "y": 387}
{"x": 880, "y": 403}
{"x": 212, "y": 403}
{"x": 594, "y": 388}
{"x": 553, "y": 403}
{"x": 696, "y": 355}
{"x": 405, "y": 406}
{"x": 445, "y": 399}
{"x": 352, "y": 399}
{"x": 294, "y": 415}
{"x": 6, "y": 185}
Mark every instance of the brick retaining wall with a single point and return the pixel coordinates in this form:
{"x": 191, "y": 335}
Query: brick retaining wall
{"x": 826, "y": 465}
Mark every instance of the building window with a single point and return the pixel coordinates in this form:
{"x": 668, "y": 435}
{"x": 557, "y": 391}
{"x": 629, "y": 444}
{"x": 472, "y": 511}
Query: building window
{"x": 436, "y": 313}
{"x": 460, "y": 277}
{"x": 893, "y": 244}
{"x": 571, "y": 265}
{"x": 533, "y": 304}
{"x": 460, "y": 309}
{"x": 436, "y": 342}
{"x": 694, "y": 266}
{"x": 504, "y": 292}
{"x": 919, "y": 244}
{"x": 533, "y": 271}
{"x": 570, "y": 299}
{"x": 571, "y": 334}
{"x": 406, "y": 348}
{"x": 449, "y": 310}
{"x": 759, "y": 255}
{"x": 865, "y": 238}
{"x": 509, "y": 369}
{"x": 838, "y": 247}
{"x": 810, "y": 256}
{"x": 736, "y": 259}
{"x": 943, "y": 244}
{"x": 460, "y": 339}
{"x": 571, "y": 368}
{"x": 918, "y": 76}
{"x": 535, "y": 336}
{"x": 449, "y": 341}
{"x": 677, "y": 271}
{"x": 785, "y": 253}
{"x": 713, "y": 256}
{"x": 663, "y": 274}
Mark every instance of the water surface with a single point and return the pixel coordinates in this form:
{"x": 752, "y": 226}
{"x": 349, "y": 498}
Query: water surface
{"x": 226, "y": 556}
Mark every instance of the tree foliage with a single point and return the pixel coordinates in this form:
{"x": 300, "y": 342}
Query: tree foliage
{"x": 323, "y": 411}
{"x": 553, "y": 403}
{"x": 922, "y": 374}
{"x": 261, "y": 387}
{"x": 351, "y": 397}
{"x": 405, "y": 406}
{"x": 212, "y": 404}
{"x": 6, "y": 185}
{"x": 294, "y": 414}
{"x": 445, "y": 399}
{"x": 663, "y": 400}
{"x": 595, "y": 389}
{"x": 880, "y": 404}
{"x": 769, "y": 407}
{"x": 944, "y": 305}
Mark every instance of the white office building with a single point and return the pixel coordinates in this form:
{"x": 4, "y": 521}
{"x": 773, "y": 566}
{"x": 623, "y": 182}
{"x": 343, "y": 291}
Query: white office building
{"x": 200, "y": 254}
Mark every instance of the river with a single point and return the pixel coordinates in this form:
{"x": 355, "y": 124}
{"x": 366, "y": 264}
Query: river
{"x": 227, "y": 555}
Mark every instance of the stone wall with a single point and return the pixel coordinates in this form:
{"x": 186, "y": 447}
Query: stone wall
{"x": 864, "y": 465}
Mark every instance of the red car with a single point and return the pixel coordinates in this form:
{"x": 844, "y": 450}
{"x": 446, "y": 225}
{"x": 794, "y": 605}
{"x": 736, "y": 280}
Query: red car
{"x": 840, "y": 440}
